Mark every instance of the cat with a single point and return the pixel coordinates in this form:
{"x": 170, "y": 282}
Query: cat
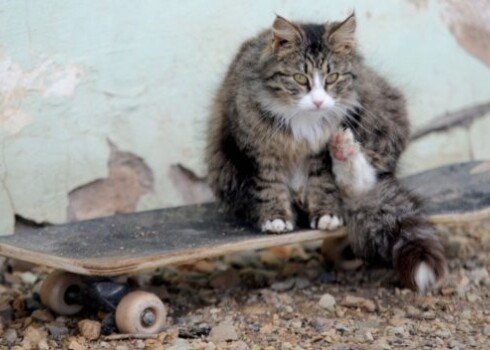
{"x": 301, "y": 126}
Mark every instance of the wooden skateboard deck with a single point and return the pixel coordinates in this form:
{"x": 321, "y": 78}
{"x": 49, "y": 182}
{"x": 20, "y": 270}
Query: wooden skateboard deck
{"x": 130, "y": 243}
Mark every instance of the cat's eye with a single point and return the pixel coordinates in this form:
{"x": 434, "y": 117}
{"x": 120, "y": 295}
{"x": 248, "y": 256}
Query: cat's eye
{"x": 300, "y": 79}
{"x": 332, "y": 78}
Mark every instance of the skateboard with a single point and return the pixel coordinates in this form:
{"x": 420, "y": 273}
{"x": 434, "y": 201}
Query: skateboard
{"x": 86, "y": 254}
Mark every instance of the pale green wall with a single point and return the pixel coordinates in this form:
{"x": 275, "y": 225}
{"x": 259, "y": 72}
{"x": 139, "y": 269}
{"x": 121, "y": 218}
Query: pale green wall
{"x": 74, "y": 74}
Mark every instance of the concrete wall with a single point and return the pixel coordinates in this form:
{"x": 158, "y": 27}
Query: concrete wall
{"x": 101, "y": 99}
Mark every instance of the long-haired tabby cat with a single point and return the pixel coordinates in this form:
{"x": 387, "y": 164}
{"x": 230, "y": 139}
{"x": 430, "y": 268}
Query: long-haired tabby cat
{"x": 302, "y": 125}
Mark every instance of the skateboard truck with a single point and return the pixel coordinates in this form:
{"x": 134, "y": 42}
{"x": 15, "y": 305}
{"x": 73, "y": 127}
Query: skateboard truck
{"x": 99, "y": 294}
{"x": 134, "y": 311}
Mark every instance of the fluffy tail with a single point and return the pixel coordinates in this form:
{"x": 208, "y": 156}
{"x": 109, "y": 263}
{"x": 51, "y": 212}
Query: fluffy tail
{"x": 418, "y": 256}
{"x": 386, "y": 225}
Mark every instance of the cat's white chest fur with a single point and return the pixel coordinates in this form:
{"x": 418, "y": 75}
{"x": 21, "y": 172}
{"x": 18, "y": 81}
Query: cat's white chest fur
{"x": 311, "y": 129}
{"x": 299, "y": 177}
{"x": 298, "y": 181}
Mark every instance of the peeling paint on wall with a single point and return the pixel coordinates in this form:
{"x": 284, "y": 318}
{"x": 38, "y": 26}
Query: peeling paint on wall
{"x": 129, "y": 179}
{"x": 193, "y": 189}
{"x": 48, "y": 78}
{"x": 469, "y": 22}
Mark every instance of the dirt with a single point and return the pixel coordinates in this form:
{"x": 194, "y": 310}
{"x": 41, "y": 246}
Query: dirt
{"x": 282, "y": 298}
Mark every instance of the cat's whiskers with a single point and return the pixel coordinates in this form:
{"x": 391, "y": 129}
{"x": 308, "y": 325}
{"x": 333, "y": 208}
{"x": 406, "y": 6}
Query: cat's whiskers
{"x": 353, "y": 106}
{"x": 350, "y": 120}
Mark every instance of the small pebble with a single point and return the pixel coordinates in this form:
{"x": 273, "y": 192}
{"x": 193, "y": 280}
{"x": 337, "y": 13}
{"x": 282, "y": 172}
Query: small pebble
{"x": 34, "y": 335}
{"x": 89, "y": 329}
{"x": 74, "y": 345}
{"x": 180, "y": 344}
{"x": 328, "y": 302}
{"x": 223, "y": 332}
{"x": 368, "y": 336}
{"x": 283, "y": 286}
{"x": 42, "y": 315}
{"x": 321, "y": 324}
{"x": 57, "y": 329}
{"x": 358, "y": 302}
{"x": 10, "y": 335}
{"x": 239, "y": 345}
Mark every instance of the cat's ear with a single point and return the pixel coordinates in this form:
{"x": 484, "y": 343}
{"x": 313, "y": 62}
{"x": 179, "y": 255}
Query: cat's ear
{"x": 284, "y": 32}
{"x": 341, "y": 38}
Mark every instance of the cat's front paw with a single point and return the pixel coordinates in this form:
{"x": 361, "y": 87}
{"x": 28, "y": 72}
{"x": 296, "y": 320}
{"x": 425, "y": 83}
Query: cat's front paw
{"x": 326, "y": 222}
{"x": 343, "y": 146}
{"x": 277, "y": 226}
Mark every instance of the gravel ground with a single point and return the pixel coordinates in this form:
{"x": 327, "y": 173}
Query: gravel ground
{"x": 281, "y": 298}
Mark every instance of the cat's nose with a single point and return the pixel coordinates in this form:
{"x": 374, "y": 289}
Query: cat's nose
{"x": 318, "y": 103}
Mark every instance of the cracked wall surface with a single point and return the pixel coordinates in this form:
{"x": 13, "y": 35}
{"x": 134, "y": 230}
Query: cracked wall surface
{"x": 74, "y": 74}
{"x": 128, "y": 180}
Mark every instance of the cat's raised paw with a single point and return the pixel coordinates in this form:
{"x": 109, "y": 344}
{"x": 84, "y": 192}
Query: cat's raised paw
{"x": 343, "y": 145}
{"x": 277, "y": 226}
{"x": 327, "y": 222}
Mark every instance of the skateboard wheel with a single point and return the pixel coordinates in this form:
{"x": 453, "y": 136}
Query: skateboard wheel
{"x": 140, "y": 312}
{"x": 54, "y": 289}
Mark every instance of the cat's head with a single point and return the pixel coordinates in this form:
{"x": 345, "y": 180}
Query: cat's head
{"x": 307, "y": 68}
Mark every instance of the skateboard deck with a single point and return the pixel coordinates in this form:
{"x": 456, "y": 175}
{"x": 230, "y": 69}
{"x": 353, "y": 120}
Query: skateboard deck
{"x": 130, "y": 243}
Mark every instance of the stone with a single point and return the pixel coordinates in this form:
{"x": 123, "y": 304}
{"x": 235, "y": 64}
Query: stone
{"x": 32, "y": 304}
{"x": 42, "y": 315}
{"x": 412, "y": 311}
{"x": 224, "y": 331}
{"x": 57, "y": 329}
{"x": 43, "y": 345}
{"x": 180, "y": 344}
{"x": 205, "y": 266}
{"x": 296, "y": 323}
{"x": 6, "y": 313}
{"x": 358, "y": 302}
{"x": 301, "y": 283}
{"x": 399, "y": 331}
{"x": 28, "y": 277}
{"x": 239, "y": 345}
{"x": 321, "y": 324}
{"x": 327, "y": 301}
{"x": 34, "y": 335}
{"x": 210, "y": 346}
{"x": 397, "y": 322}
{"x": 479, "y": 276}
{"x": 89, "y": 329}
{"x": 75, "y": 345}
{"x": 428, "y": 315}
{"x": 486, "y": 330}
{"x": 443, "y": 334}
{"x": 283, "y": 286}
{"x": 368, "y": 336}
{"x": 10, "y": 335}
{"x": 465, "y": 314}
{"x": 328, "y": 277}
{"x": 472, "y": 297}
